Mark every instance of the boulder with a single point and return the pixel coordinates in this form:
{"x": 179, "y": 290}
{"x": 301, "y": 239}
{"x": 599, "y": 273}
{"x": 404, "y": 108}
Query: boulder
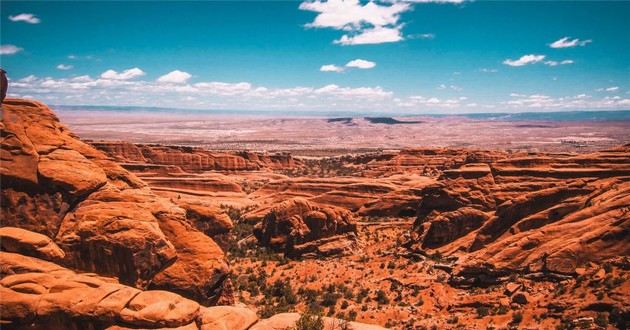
{"x": 297, "y": 221}
{"x": 227, "y": 318}
{"x": 29, "y": 243}
{"x": 208, "y": 219}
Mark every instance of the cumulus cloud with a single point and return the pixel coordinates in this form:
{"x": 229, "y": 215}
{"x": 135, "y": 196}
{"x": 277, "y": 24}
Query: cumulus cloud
{"x": 365, "y": 22}
{"x": 175, "y": 77}
{"x": 26, "y": 18}
{"x": 330, "y": 68}
{"x": 377, "y": 35}
{"x": 524, "y": 60}
{"x": 368, "y": 23}
{"x": 9, "y": 49}
{"x": 64, "y": 66}
{"x": 354, "y": 64}
{"x": 361, "y": 64}
{"x": 566, "y": 42}
{"x": 352, "y": 15}
{"x": 124, "y": 75}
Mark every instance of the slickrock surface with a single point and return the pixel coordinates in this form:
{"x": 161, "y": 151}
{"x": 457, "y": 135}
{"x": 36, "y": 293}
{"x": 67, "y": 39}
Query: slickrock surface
{"x": 37, "y": 294}
{"x": 542, "y": 213}
{"x": 298, "y": 227}
{"x": 104, "y": 218}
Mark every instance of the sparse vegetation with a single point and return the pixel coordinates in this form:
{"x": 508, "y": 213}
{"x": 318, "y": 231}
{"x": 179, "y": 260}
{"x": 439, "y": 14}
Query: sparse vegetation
{"x": 308, "y": 321}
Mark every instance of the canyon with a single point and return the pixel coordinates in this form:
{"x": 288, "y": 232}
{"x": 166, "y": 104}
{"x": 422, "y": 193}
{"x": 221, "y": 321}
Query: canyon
{"x": 119, "y": 235}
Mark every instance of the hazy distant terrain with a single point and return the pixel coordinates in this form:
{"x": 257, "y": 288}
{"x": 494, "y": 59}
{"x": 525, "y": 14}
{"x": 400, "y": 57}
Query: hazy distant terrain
{"x": 528, "y": 131}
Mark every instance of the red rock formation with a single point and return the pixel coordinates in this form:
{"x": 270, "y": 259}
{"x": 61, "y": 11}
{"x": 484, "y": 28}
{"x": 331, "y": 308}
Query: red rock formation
{"x": 103, "y": 218}
{"x": 193, "y": 159}
{"x": 548, "y": 213}
{"x": 206, "y": 218}
{"x": 294, "y": 222}
{"x": 392, "y": 196}
{"x": 37, "y": 294}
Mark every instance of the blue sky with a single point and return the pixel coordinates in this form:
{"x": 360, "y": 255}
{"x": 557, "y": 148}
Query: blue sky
{"x": 421, "y": 56}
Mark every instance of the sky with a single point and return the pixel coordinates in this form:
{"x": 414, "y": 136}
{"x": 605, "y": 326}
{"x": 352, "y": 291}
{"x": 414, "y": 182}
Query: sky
{"x": 399, "y": 56}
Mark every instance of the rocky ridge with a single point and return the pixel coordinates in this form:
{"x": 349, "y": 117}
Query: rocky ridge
{"x": 535, "y": 214}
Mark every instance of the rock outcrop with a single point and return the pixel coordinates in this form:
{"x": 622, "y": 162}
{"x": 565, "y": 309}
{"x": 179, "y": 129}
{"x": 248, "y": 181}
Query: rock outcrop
{"x": 193, "y": 159}
{"x": 103, "y": 218}
{"x": 392, "y": 196}
{"x": 38, "y": 294}
{"x": 298, "y": 226}
{"x": 542, "y": 213}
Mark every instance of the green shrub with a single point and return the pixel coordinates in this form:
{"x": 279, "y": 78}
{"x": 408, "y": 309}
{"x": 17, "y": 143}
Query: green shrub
{"x": 381, "y": 297}
{"x": 308, "y": 321}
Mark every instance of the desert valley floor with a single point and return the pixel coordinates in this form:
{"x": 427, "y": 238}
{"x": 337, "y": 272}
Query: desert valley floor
{"x": 251, "y": 223}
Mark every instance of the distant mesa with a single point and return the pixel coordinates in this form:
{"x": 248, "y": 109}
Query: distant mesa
{"x": 373, "y": 120}
{"x": 390, "y": 121}
{"x": 343, "y": 120}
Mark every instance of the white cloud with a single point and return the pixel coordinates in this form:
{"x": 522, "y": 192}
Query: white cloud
{"x": 556, "y": 63}
{"x": 222, "y": 88}
{"x": 429, "y": 103}
{"x": 9, "y": 49}
{"x": 377, "y": 35}
{"x": 365, "y": 22}
{"x": 360, "y": 64}
{"x": 176, "y": 77}
{"x": 84, "y": 90}
{"x": 330, "y": 68}
{"x": 124, "y": 75}
{"x": 348, "y": 92}
{"x": 368, "y": 23}
{"x": 64, "y": 66}
{"x": 486, "y": 70}
{"x": 566, "y": 42}
{"x": 608, "y": 89}
{"x": 352, "y": 15}
{"x": 576, "y": 102}
{"x": 524, "y": 60}
{"x": 26, "y": 18}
